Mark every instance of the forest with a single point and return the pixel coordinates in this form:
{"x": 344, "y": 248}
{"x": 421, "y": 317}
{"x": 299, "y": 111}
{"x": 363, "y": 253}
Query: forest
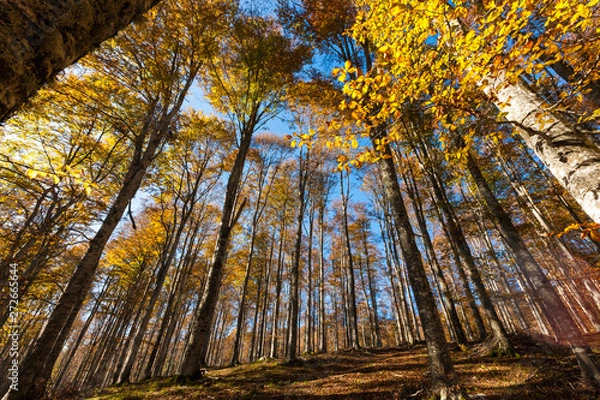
{"x": 246, "y": 199}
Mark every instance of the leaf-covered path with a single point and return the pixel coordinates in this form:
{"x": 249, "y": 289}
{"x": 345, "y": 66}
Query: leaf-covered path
{"x": 540, "y": 372}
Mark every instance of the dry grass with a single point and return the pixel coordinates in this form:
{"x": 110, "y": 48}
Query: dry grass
{"x": 542, "y": 372}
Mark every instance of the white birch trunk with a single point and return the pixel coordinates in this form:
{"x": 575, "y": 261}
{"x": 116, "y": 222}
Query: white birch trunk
{"x": 572, "y": 158}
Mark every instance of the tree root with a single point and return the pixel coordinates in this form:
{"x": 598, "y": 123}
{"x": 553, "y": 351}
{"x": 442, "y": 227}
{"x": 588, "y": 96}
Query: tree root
{"x": 454, "y": 392}
{"x": 493, "y": 347}
{"x": 199, "y": 378}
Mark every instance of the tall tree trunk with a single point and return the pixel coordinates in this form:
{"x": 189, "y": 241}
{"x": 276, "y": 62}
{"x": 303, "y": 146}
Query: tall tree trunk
{"x": 368, "y": 308}
{"x": 308, "y": 332}
{"x": 263, "y": 325}
{"x": 336, "y": 341}
{"x": 40, "y": 39}
{"x": 402, "y": 324}
{"x": 253, "y": 337}
{"x": 278, "y": 283}
{"x": 75, "y": 346}
{"x": 114, "y": 357}
{"x": 165, "y": 263}
{"x": 372, "y": 290}
{"x": 322, "y": 324}
{"x": 239, "y": 325}
{"x": 457, "y": 235}
{"x": 559, "y": 317}
{"x": 351, "y": 300}
{"x": 258, "y": 210}
{"x": 293, "y": 307}
{"x": 344, "y": 300}
{"x": 167, "y": 324}
{"x": 411, "y": 322}
{"x": 195, "y": 354}
{"x": 443, "y": 375}
{"x": 445, "y": 295}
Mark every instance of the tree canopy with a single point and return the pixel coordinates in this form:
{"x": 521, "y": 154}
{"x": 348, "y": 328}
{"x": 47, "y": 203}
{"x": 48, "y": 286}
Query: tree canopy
{"x": 226, "y": 181}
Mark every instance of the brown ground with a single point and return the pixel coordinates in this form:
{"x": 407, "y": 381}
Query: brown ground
{"x": 541, "y": 372}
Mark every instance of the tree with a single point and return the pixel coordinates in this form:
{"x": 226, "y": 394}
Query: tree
{"x": 270, "y": 151}
{"x": 498, "y": 338}
{"x": 190, "y": 174}
{"x": 247, "y": 79}
{"x": 38, "y": 40}
{"x": 443, "y": 375}
{"x": 59, "y": 170}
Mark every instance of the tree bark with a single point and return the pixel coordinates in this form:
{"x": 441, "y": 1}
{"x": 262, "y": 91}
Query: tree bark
{"x": 41, "y": 38}
{"x": 571, "y": 157}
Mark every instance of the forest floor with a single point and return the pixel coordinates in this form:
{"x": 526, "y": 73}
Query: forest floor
{"x": 541, "y": 371}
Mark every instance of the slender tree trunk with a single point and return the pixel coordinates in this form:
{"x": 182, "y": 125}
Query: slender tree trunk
{"x": 372, "y": 290}
{"x": 445, "y": 295}
{"x": 252, "y": 353}
{"x": 293, "y": 308}
{"x": 351, "y": 299}
{"x": 258, "y": 209}
{"x": 239, "y": 325}
{"x": 455, "y": 231}
{"x": 322, "y": 316}
{"x": 336, "y": 331}
{"x": 263, "y": 325}
{"x": 368, "y": 308}
{"x": 115, "y": 356}
{"x": 344, "y": 302}
{"x": 401, "y": 320}
{"x": 412, "y": 329}
{"x": 75, "y": 346}
{"x": 165, "y": 263}
{"x": 168, "y": 321}
{"x": 308, "y": 332}
{"x": 502, "y": 273}
{"x": 195, "y": 354}
{"x": 443, "y": 375}
{"x": 278, "y": 285}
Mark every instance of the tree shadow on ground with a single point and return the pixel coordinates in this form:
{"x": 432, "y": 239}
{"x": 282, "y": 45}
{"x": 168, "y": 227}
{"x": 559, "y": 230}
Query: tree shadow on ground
{"x": 540, "y": 372}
